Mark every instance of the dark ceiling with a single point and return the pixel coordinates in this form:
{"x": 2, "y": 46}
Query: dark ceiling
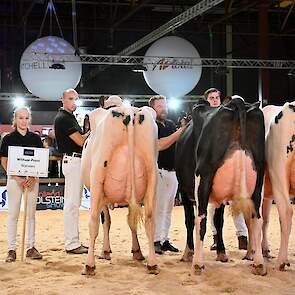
{"x": 107, "y": 27}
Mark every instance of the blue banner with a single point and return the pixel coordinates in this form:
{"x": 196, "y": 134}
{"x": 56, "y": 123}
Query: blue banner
{"x": 50, "y": 197}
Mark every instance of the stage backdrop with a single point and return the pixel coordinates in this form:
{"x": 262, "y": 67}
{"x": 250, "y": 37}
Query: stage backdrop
{"x": 50, "y": 197}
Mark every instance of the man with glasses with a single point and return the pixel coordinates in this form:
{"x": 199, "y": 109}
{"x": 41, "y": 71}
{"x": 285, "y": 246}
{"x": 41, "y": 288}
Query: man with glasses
{"x": 70, "y": 140}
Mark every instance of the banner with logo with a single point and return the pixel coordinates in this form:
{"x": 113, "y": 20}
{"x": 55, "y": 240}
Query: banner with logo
{"x": 3, "y": 198}
{"x": 50, "y": 197}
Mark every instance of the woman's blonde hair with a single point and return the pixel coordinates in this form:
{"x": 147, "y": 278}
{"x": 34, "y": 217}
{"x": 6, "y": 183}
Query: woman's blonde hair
{"x": 16, "y": 111}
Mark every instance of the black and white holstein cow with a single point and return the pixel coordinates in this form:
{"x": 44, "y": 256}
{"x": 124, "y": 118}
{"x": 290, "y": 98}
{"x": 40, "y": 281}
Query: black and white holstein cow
{"x": 220, "y": 158}
{"x": 119, "y": 164}
{"x": 280, "y": 174}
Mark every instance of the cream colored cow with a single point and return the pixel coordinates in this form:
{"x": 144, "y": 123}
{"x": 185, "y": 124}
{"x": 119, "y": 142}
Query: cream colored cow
{"x": 119, "y": 163}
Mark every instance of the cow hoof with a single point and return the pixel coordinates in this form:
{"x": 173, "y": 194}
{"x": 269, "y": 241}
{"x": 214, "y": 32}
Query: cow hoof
{"x": 259, "y": 270}
{"x": 88, "y": 270}
{"x": 283, "y": 265}
{"x": 187, "y": 256}
{"x": 249, "y": 256}
{"x": 266, "y": 254}
{"x": 153, "y": 269}
{"x": 198, "y": 269}
{"x": 246, "y": 257}
{"x": 105, "y": 255}
{"x": 137, "y": 255}
{"x": 222, "y": 257}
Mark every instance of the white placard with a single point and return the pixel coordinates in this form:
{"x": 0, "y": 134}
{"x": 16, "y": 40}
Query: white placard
{"x": 27, "y": 161}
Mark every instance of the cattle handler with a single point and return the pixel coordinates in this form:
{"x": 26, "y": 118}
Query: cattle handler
{"x": 167, "y": 181}
{"x": 70, "y": 140}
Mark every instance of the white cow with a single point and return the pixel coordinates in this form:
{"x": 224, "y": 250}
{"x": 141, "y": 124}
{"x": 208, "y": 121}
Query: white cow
{"x": 280, "y": 173}
{"x": 95, "y": 117}
{"x": 120, "y": 167}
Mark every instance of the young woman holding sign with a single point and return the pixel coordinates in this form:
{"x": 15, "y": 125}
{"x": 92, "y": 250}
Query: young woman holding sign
{"x": 21, "y": 136}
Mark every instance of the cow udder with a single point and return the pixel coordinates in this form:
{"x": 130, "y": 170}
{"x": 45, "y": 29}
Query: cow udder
{"x": 226, "y": 182}
{"x": 117, "y": 184}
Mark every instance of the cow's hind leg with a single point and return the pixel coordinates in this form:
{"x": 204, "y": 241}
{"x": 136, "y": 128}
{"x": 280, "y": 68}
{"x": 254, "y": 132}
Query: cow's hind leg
{"x": 256, "y": 227}
{"x": 149, "y": 206}
{"x": 218, "y": 223}
{"x": 106, "y": 223}
{"x": 189, "y": 223}
{"x": 149, "y": 226}
{"x": 145, "y": 139}
{"x": 251, "y": 244}
{"x": 202, "y": 191}
{"x": 97, "y": 203}
{"x": 254, "y": 215}
{"x": 136, "y": 251}
{"x": 259, "y": 265}
{"x": 285, "y": 215}
{"x": 266, "y": 207}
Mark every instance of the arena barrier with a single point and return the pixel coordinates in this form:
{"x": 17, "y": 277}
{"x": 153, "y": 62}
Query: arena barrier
{"x": 51, "y": 196}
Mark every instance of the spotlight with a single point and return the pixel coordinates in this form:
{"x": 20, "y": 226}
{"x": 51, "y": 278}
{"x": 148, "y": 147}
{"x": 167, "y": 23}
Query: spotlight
{"x": 19, "y": 102}
{"x": 139, "y": 69}
{"x": 79, "y": 103}
{"x": 173, "y": 104}
{"x": 126, "y": 103}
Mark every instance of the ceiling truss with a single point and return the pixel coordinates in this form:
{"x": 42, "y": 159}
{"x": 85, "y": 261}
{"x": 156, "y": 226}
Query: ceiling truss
{"x": 90, "y": 97}
{"x": 174, "y": 61}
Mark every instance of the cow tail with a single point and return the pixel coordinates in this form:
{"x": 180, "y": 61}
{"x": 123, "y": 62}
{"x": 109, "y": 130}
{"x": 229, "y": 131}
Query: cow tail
{"x": 242, "y": 118}
{"x": 134, "y": 211}
{"x": 243, "y": 203}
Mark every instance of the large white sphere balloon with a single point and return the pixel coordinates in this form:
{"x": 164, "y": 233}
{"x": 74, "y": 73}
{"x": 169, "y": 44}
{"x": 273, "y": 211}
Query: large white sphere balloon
{"x": 167, "y": 79}
{"x": 47, "y": 79}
